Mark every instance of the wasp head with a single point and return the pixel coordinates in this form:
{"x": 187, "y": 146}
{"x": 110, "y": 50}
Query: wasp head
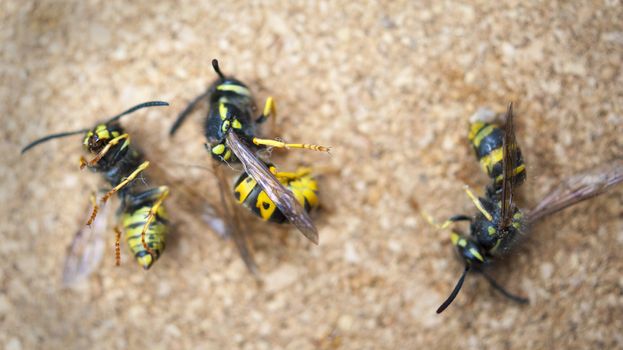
{"x": 471, "y": 252}
{"x": 96, "y": 139}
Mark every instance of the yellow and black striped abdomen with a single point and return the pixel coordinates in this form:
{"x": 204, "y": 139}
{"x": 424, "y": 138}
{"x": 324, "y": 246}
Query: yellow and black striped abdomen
{"x": 488, "y": 140}
{"x": 251, "y": 195}
{"x": 134, "y": 219}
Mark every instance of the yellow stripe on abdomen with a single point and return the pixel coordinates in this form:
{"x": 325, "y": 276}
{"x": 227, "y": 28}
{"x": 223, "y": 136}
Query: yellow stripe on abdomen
{"x": 482, "y": 133}
{"x": 490, "y": 160}
{"x": 155, "y": 236}
{"x": 244, "y": 188}
{"x": 516, "y": 171}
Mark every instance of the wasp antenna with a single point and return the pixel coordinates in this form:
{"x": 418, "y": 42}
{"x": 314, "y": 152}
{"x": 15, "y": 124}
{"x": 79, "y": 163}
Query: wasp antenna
{"x": 217, "y": 69}
{"x": 191, "y": 166}
{"x": 50, "y": 137}
{"x": 499, "y": 288}
{"x": 135, "y": 108}
{"x": 191, "y": 106}
{"x": 69, "y": 133}
{"x": 455, "y": 291}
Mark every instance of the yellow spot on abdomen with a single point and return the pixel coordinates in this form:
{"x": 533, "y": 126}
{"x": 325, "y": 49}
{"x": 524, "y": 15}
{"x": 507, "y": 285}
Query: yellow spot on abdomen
{"x": 265, "y": 213}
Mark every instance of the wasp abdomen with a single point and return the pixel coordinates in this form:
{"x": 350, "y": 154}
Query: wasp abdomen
{"x": 250, "y": 194}
{"x": 134, "y": 219}
{"x": 487, "y": 140}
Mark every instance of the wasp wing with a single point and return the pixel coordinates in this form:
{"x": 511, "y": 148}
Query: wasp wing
{"x": 509, "y": 161}
{"x": 579, "y": 187}
{"x": 284, "y": 199}
{"x": 87, "y": 248}
{"x": 222, "y": 217}
{"x": 233, "y": 224}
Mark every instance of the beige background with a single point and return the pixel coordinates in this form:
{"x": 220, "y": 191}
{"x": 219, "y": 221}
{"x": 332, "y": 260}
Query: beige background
{"x": 390, "y": 87}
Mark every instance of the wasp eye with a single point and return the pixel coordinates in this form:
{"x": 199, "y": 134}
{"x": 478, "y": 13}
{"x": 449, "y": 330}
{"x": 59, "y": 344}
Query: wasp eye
{"x": 95, "y": 144}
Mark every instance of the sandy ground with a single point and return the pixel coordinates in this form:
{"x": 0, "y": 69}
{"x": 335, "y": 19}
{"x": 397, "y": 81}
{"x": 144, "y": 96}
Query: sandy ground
{"x": 390, "y": 86}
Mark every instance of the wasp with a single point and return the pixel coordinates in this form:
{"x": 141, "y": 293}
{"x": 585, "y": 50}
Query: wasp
{"x": 230, "y": 130}
{"x": 143, "y": 216}
{"x": 499, "y": 223}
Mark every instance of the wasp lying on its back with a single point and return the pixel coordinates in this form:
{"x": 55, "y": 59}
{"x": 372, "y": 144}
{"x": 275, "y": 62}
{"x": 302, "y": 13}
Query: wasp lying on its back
{"x": 230, "y": 130}
{"x": 143, "y": 216}
{"x": 499, "y": 223}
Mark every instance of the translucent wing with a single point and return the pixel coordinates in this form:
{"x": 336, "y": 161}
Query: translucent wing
{"x": 579, "y": 187}
{"x": 231, "y": 221}
{"x": 87, "y": 248}
{"x": 509, "y": 161}
{"x": 283, "y": 198}
{"x": 221, "y": 215}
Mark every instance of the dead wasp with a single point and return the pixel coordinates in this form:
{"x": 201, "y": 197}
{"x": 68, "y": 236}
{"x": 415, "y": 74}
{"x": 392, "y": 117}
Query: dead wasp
{"x": 230, "y": 129}
{"x": 143, "y": 216}
{"x": 499, "y": 223}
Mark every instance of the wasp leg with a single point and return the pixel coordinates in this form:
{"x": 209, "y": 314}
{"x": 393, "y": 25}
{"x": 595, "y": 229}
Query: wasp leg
{"x": 478, "y": 204}
{"x": 108, "y": 194}
{"x": 300, "y": 172}
{"x": 117, "y": 246}
{"x": 499, "y": 288}
{"x": 279, "y": 144}
{"x": 269, "y": 110}
{"x": 191, "y": 106}
{"x": 161, "y": 192}
{"x": 446, "y": 223}
{"x": 93, "y": 199}
{"x": 102, "y": 153}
